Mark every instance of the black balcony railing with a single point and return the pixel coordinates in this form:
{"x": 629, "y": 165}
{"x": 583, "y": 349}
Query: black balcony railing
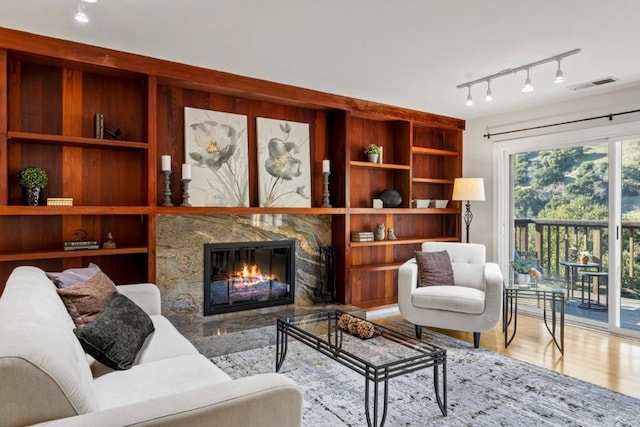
{"x": 555, "y": 241}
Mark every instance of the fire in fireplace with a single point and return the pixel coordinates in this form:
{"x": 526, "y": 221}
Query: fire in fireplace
{"x": 248, "y": 275}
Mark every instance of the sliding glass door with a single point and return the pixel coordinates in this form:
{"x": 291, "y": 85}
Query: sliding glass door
{"x": 569, "y": 205}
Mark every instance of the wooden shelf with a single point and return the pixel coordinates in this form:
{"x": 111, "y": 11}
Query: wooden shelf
{"x": 403, "y": 211}
{"x": 433, "y": 180}
{"x": 369, "y": 165}
{"x": 376, "y": 267}
{"x": 42, "y": 138}
{"x": 73, "y": 210}
{"x": 32, "y": 255}
{"x": 412, "y": 241}
{"x": 434, "y": 152}
{"x": 212, "y": 210}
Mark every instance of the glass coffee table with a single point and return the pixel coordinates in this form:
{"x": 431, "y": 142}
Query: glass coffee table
{"x": 551, "y": 296}
{"x": 387, "y": 354}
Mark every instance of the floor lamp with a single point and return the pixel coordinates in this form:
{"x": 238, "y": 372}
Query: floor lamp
{"x": 468, "y": 189}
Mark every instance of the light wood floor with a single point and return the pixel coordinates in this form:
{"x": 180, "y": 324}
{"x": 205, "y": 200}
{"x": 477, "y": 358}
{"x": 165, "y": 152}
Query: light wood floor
{"x": 599, "y": 358}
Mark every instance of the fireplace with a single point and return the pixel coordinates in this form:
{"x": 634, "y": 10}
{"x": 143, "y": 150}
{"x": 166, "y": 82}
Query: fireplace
{"x": 248, "y": 275}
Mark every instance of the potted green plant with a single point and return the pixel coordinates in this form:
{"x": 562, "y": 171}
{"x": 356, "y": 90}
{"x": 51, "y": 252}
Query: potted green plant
{"x": 522, "y": 270}
{"x": 33, "y": 179}
{"x": 372, "y": 151}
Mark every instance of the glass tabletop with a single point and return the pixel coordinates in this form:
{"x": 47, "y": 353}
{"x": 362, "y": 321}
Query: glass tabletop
{"x": 540, "y": 286}
{"x": 386, "y": 347}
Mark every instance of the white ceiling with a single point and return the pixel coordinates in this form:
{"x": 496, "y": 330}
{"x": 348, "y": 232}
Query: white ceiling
{"x": 409, "y": 53}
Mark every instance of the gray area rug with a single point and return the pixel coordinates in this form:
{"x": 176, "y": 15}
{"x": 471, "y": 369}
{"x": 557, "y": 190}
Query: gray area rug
{"x": 484, "y": 389}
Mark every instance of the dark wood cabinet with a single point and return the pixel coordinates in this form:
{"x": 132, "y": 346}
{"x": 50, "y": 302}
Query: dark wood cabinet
{"x": 50, "y": 91}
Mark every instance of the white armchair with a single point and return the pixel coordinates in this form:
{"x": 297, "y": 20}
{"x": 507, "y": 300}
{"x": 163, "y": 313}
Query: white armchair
{"x": 473, "y": 304}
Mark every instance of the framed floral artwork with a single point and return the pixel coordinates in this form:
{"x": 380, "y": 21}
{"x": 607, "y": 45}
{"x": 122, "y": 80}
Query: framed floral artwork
{"x": 284, "y": 177}
{"x": 216, "y": 147}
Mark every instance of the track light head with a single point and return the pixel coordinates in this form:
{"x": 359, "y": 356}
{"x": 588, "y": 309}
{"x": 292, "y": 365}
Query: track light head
{"x": 559, "y": 75}
{"x": 489, "y": 96}
{"x": 469, "y": 98}
{"x": 527, "y": 84}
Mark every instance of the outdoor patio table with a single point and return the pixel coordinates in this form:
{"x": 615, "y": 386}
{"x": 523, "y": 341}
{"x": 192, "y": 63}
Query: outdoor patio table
{"x": 572, "y": 272}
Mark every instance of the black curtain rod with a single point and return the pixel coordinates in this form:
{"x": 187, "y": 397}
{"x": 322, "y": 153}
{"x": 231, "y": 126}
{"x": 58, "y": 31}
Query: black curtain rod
{"x": 488, "y": 135}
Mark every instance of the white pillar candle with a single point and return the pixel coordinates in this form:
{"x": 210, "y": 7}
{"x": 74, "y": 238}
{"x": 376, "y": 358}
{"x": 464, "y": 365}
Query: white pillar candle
{"x": 186, "y": 171}
{"x": 166, "y": 163}
{"x": 325, "y": 166}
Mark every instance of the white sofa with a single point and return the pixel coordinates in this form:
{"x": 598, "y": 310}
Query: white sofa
{"x": 45, "y": 376}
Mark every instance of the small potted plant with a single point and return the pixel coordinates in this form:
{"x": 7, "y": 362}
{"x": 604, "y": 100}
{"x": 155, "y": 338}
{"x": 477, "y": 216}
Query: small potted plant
{"x": 33, "y": 179}
{"x": 372, "y": 151}
{"x": 584, "y": 257}
{"x": 522, "y": 270}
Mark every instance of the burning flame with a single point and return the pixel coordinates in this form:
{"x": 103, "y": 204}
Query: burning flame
{"x": 251, "y": 274}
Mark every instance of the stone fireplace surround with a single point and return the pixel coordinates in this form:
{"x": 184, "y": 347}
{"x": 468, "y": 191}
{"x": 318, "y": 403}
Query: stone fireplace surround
{"x": 180, "y": 243}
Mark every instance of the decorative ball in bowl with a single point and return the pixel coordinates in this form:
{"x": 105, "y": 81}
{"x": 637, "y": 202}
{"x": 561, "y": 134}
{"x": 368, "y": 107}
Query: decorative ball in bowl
{"x": 390, "y": 198}
{"x": 440, "y": 204}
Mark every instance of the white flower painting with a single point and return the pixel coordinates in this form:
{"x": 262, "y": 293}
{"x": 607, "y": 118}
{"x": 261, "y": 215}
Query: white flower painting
{"x": 283, "y": 163}
{"x": 216, "y": 148}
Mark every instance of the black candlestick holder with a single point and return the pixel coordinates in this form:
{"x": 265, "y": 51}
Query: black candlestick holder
{"x": 167, "y": 188}
{"x": 325, "y": 194}
{"x": 185, "y": 193}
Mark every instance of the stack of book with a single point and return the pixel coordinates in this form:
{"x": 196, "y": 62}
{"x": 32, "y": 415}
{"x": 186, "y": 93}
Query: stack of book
{"x": 362, "y": 236}
{"x": 81, "y": 245}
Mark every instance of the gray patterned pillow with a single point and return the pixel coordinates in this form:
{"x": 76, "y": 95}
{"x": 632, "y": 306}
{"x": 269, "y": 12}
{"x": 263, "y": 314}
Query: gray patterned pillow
{"x": 117, "y": 335}
{"x": 434, "y": 269}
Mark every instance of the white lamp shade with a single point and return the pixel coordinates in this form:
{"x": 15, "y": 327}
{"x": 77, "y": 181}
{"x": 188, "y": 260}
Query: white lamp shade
{"x": 468, "y": 189}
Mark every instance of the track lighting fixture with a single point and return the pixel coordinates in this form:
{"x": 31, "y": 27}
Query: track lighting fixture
{"x": 527, "y": 84}
{"x": 527, "y": 67}
{"x": 559, "y": 75}
{"x": 469, "y": 98}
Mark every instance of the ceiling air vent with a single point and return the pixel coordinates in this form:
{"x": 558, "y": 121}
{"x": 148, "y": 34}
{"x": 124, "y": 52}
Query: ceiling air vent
{"x": 593, "y": 83}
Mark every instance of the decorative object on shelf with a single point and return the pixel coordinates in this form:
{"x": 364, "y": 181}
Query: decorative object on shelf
{"x": 326, "y": 171}
{"x": 362, "y": 236}
{"x": 441, "y": 204}
{"x": 468, "y": 189}
{"x": 99, "y": 125}
{"x": 354, "y": 324}
{"x": 391, "y": 234}
{"x": 535, "y": 275}
{"x": 33, "y": 179}
{"x": 109, "y": 243}
{"x": 283, "y": 163}
{"x": 373, "y": 153}
{"x": 584, "y": 257}
{"x": 390, "y": 198}
{"x": 166, "y": 171}
{"x": 113, "y": 135}
{"x": 60, "y": 201}
{"x": 80, "y": 241}
{"x": 420, "y": 203}
{"x": 80, "y": 245}
{"x": 377, "y": 204}
{"x": 216, "y": 146}
{"x": 185, "y": 193}
{"x": 379, "y": 234}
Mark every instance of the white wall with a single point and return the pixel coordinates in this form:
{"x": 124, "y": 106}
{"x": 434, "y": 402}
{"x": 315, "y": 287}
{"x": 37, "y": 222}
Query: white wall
{"x": 478, "y": 150}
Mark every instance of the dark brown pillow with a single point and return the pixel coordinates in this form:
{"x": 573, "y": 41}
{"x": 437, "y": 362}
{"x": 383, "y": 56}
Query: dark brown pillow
{"x": 86, "y": 300}
{"x": 434, "y": 269}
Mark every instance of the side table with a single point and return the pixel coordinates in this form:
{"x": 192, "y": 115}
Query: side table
{"x": 550, "y": 294}
{"x": 572, "y": 272}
